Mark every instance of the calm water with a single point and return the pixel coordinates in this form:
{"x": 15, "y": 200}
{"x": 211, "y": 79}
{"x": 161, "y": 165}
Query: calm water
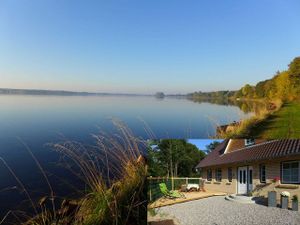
{"x": 38, "y": 120}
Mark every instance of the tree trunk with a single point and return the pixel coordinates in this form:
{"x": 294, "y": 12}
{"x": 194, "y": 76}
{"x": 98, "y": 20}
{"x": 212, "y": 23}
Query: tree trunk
{"x": 176, "y": 170}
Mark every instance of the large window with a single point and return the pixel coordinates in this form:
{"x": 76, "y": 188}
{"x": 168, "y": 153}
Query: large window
{"x": 262, "y": 173}
{"x": 290, "y": 172}
{"x": 229, "y": 174}
{"x": 209, "y": 174}
{"x": 218, "y": 174}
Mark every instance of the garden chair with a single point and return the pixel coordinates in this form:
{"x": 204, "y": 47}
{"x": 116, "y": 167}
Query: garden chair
{"x": 170, "y": 194}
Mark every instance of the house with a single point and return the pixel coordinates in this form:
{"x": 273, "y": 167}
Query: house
{"x": 243, "y": 166}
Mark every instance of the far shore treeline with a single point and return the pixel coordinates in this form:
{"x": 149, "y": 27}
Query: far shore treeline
{"x": 11, "y": 91}
{"x": 285, "y": 85}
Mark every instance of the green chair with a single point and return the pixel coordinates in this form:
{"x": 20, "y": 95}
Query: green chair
{"x": 169, "y": 194}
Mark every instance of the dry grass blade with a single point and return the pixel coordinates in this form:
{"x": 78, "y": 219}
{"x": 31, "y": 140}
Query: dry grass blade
{"x": 44, "y": 175}
{"x": 114, "y": 173}
{"x": 20, "y": 183}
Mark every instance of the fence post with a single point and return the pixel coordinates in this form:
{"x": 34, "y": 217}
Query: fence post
{"x": 150, "y": 192}
{"x": 172, "y": 183}
{"x": 186, "y": 181}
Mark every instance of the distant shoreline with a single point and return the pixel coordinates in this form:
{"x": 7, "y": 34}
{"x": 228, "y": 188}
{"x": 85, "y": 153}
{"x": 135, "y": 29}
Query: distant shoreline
{"x": 13, "y": 91}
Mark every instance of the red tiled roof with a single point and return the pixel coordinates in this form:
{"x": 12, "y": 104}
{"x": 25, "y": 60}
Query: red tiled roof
{"x": 267, "y": 150}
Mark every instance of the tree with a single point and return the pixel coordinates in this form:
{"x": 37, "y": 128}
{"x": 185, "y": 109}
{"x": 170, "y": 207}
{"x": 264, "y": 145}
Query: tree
{"x": 159, "y": 95}
{"x": 283, "y": 84}
{"x": 260, "y": 91}
{"x": 294, "y": 73}
{"x": 248, "y": 91}
{"x": 294, "y": 67}
{"x": 212, "y": 146}
{"x": 174, "y": 157}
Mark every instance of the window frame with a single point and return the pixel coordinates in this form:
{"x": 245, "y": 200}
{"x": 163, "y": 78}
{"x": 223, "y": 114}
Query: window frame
{"x": 249, "y": 142}
{"x": 229, "y": 174}
{"x": 218, "y": 174}
{"x": 281, "y": 172}
{"x": 260, "y": 173}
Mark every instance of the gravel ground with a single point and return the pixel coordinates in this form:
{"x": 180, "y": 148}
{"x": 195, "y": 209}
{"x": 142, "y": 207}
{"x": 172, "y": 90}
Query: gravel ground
{"x": 218, "y": 211}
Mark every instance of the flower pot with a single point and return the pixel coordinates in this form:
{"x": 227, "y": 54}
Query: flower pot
{"x": 295, "y": 205}
{"x": 284, "y": 202}
{"x": 272, "y": 199}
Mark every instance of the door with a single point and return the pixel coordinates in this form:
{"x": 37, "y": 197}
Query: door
{"x": 242, "y": 180}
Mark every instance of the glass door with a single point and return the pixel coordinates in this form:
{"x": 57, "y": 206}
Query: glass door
{"x": 242, "y": 180}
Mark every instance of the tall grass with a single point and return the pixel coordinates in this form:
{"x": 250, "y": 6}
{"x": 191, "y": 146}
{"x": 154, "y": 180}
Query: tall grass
{"x": 243, "y": 128}
{"x": 114, "y": 173}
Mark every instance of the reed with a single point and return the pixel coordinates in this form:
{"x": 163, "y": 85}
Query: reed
{"x": 114, "y": 172}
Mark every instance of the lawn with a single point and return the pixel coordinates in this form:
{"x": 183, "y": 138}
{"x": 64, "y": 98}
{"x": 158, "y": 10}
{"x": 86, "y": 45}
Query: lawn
{"x": 282, "y": 124}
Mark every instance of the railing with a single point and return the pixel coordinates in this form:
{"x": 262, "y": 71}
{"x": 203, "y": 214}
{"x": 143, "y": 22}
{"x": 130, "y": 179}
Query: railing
{"x": 172, "y": 183}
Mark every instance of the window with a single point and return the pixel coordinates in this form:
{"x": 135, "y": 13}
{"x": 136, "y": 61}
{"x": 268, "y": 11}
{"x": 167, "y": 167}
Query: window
{"x": 250, "y": 176}
{"x": 209, "y": 174}
{"x": 249, "y": 142}
{"x": 262, "y": 173}
{"x": 229, "y": 174}
{"x": 240, "y": 177}
{"x": 290, "y": 172}
{"x": 218, "y": 174}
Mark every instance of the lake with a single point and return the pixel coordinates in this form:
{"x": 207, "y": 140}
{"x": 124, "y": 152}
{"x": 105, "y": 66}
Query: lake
{"x": 38, "y": 120}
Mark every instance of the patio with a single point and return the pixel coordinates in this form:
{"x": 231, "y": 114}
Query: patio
{"x": 189, "y": 196}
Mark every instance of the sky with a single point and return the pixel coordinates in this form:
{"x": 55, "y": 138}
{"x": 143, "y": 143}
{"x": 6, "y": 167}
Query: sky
{"x": 202, "y": 143}
{"x": 142, "y": 46}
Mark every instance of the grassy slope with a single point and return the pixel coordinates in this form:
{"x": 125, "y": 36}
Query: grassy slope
{"x": 283, "y": 124}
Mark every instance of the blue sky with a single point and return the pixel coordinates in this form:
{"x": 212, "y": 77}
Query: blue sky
{"x": 202, "y": 143}
{"x": 140, "y": 46}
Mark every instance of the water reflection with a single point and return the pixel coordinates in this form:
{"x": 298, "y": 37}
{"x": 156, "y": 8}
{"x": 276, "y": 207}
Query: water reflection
{"x": 245, "y": 106}
{"x": 38, "y": 120}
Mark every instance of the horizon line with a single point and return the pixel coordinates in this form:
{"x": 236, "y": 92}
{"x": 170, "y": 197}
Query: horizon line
{"x": 106, "y": 93}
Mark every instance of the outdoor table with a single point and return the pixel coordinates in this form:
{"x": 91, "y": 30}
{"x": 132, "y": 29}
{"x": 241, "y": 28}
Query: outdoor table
{"x": 190, "y": 186}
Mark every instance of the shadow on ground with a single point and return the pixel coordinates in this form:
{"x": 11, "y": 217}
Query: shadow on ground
{"x": 260, "y": 128}
{"x": 162, "y": 222}
{"x": 261, "y": 201}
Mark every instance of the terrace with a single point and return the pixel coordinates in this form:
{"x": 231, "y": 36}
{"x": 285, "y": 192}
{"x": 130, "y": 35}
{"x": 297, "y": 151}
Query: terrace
{"x": 157, "y": 199}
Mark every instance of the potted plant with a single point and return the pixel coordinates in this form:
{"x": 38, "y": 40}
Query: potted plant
{"x": 276, "y": 179}
{"x": 295, "y": 203}
{"x": 284, "y": 199}
{"x": 272, "y": 199}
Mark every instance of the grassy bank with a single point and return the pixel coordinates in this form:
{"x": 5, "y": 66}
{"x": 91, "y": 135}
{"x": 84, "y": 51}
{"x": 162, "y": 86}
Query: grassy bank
{"x": 243, "y": 129}
{"x": 284, "y": 122}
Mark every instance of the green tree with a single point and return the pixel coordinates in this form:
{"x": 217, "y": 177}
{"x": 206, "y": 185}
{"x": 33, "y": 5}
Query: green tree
{"x": 294, "y": 67}
{"x": 212, "y": 146}
{"x": 248, "y": 91}
{"x": 294, "y": 73}
{"x": 260, "y": 91}
{"x": 174, "y": 157}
